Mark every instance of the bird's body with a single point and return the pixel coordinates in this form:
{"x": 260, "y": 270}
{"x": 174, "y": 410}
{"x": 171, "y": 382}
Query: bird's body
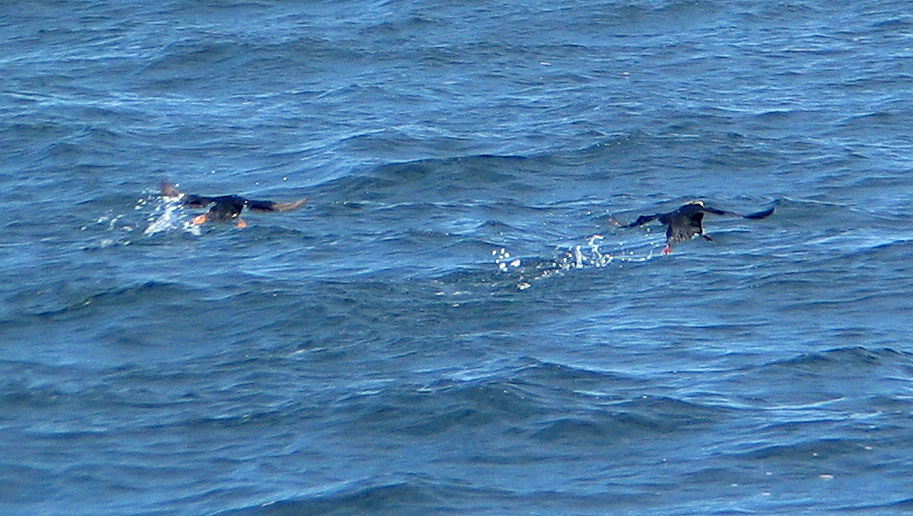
{"x": 686, "y": 222}
{"x": 226, "y": 208}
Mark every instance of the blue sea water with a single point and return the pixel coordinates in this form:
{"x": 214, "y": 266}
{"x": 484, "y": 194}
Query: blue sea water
{"x": 455, "y": 323}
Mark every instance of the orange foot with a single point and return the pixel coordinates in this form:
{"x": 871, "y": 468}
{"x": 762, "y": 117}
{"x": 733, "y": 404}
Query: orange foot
{"x": 199, "y": 219}
{"x": 667, "y": 249}
{"x": 241, "y": 223}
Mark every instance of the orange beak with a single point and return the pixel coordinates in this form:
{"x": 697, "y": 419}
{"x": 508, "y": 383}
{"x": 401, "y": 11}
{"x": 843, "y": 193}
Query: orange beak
{"x": 199, "y": 219}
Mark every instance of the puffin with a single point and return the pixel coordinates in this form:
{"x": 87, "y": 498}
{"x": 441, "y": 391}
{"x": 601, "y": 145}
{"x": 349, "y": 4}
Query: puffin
{"x": 686, "y": 222}
{"x": 226, "y": 208}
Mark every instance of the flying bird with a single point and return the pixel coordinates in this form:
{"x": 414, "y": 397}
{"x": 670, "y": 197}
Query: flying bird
{"x": 686, "y": 222}
{"x": 226, "y": 208}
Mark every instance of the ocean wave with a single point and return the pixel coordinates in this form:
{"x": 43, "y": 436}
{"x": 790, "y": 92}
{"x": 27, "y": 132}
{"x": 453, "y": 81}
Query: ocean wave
{"x": 444, "y": 409}
{"x": 638, "y": 418}
{"x": 851, "y": 356}
{"x": 806, "y": 449}
{"x": 400, "y": 494}
{"x": 70, "y": 301}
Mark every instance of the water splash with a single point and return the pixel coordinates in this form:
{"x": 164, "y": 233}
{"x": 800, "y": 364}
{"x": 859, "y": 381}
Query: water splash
{"x": 587, "y": 255}
{"x": 168, "y": 217}
{"x": 504, "y": 261}
{"x": 158, "y": 215}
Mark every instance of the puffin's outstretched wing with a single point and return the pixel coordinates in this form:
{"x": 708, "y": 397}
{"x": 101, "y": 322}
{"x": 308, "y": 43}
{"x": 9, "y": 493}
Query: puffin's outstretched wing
{"x": 274, "y": 206}
{"x": 716, "y": 211}
{"x": 643, "y": 219}
{"x": 757, "y": 215}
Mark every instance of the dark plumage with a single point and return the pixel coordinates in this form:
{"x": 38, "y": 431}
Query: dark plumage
{"x": 226, "y": 208}
{"x": 686, "y": 222}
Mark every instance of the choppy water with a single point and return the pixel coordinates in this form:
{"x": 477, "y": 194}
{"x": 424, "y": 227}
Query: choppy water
{"x": 455, "y": 323}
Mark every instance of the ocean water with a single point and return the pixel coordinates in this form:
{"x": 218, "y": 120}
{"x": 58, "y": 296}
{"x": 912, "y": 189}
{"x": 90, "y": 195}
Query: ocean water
{"x": 455, "y": 323}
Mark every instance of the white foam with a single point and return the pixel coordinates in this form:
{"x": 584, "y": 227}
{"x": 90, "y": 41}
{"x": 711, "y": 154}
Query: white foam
{"x": 170, "y": 220}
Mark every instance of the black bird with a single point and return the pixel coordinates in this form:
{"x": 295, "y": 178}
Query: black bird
{"x": 226, "y": 208}
{"x": 686, "y": 222}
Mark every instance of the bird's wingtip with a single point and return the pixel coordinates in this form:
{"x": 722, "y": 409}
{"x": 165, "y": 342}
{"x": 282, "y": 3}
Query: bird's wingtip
{"x": 170, "y": 190}
{"x": 289, "y": 206}
{"x": 760, "y": 214}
